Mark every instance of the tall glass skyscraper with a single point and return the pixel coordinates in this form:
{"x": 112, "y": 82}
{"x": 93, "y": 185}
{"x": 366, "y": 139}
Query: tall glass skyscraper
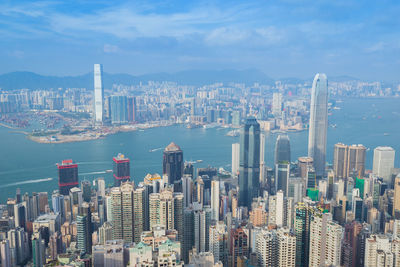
{"x": 119, "y": 109}
{"x": 249, "y": 167}
{"x": 173, "y": 163}
{"x": 98, "y": 93}
{"x": 282, "y": 149}
{"x": 318, "y": 123}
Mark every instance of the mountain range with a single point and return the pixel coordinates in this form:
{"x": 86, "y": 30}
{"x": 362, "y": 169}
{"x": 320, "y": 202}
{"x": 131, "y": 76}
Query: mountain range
{"x": 31, "y": 80}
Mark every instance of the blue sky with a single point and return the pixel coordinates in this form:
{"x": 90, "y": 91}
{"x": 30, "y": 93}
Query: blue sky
{"x": 289, "y": 38}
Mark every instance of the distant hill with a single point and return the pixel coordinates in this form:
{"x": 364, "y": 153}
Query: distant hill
{"x": 30, "y": 80}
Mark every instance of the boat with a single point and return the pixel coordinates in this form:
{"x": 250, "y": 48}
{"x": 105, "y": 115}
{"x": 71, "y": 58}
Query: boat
{"x": 109, "y": 171}
{"x": 155, "y": 149}
{"x": 233, "y": 133}
{"x": 199, "y": 161}
{"x": 385, "y": 134}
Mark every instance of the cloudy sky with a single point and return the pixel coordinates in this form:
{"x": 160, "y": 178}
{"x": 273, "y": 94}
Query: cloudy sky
{"x": 289, "y": 38}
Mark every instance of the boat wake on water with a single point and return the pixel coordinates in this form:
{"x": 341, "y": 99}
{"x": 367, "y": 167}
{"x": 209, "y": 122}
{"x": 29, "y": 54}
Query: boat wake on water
{"x": 27, "y": 182}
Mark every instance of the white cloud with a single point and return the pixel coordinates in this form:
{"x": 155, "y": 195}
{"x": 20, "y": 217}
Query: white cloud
{"x": 375, "y": 47}
{"x": 108, "y": 48}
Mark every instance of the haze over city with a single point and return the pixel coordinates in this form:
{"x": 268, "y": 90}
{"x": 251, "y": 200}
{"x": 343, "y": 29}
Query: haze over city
{"x": 200, "y": 133}
{"x": 280, "y": 38}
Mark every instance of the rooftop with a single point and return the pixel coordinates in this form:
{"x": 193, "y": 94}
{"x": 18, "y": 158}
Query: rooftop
{"x": 172, "y": 147}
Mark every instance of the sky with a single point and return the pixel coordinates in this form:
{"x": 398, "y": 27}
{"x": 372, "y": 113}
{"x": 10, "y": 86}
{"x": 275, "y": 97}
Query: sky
{"x": 289, "y": 38}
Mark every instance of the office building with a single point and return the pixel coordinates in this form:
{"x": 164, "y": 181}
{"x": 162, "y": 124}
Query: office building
{"x": 304, "y": 163}
{"x": 119, "y": 109}
{"x": 5, "y": 253}
{"x": 349, "y": 160}
{"x": 282, "y": 174}
{"x": 86, "y": 188}
{"x": 173, "y": 163}
{"x": 121, "y": 169}
{"x": 84, "y": 229}
{"x": 249, "y": 169}
{"x": 98, "y": 94}
{"x": 383, "y": 163}
{"x": 302, "y": 222}
{"x": 282, "y": 149}
{"x": 318, "y": 127}
{"x": 262, "y": 159}
{"x": 215, "y": 200}
{"x": 277, "y": 104}
{"x": 67, "y": 176}
{"x": 235, "y": 158}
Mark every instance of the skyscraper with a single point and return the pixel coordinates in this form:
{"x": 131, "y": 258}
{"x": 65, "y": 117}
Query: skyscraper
{"x": 286, "y": 247}
{"x": 340, "y": 160}
{"x": 249, "y": 169}
{"x": 348, "y": 160}
{"x": 266, "y": 248}
{"x": 383, "y": 163}
{"x": 218, "y": 242}
{"x": 356, "y": 160}
{"x": 5, "y": 253}
{"x": 173, "y": 163}
{"x": 119, "y": 109}
{"x": 325, "y": 241}
{"x": 122, "y": 212}
{"x": 235, "y": 158}
{"x": 138, "y": 213}
{"x": 303, "y": 215}
{"x": 262, "y": 159}
{"x": 67, "y": 176}
{"x": 161, "y": 209}
{"x": 215, "y": 200}
{"x": 84, "y": 229}
{"x": 98, "y": 93}
{"x": 276, "y": 104}
{"x": 396, "y": 199}
{"x": 282, "y": 149}
{"x": 282, "y": 174}
{"x": 121, "y": 169}
{"x": 131, "y": 109}
{"x": 318, "y": 123}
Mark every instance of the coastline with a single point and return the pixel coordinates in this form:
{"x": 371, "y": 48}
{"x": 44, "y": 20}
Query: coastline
{"x": 96, "y": 134}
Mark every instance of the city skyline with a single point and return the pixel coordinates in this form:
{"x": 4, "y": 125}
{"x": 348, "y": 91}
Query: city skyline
{"x": 205, "y": 143}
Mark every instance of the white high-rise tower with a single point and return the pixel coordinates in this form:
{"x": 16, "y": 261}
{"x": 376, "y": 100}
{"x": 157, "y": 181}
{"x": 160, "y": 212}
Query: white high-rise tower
{"x": 235, "y": 158}
{"x": 383, "y": 163}
{"x": 318, "y": 123}
{"x": 98, "y": 93}
{"x": 215, "y": 200}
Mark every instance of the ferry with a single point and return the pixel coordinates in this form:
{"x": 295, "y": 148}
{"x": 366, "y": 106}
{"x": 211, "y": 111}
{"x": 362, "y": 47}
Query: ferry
{"x": 109, "y": 171}
{"x": 155, "y": 149}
